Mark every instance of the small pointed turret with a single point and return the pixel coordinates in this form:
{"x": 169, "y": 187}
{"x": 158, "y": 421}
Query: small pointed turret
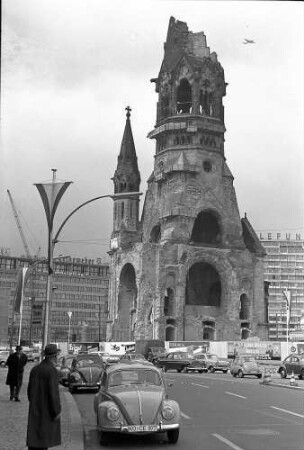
{"x": 127, "y": 177}
{"x": 126, "y": 182}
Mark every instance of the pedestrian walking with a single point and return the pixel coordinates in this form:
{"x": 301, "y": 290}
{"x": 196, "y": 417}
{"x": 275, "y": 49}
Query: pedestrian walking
{"x": 44, "y": 428}
{"x": 15, "y": 362}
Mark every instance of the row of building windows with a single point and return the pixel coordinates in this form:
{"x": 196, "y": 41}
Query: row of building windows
{"x": 105, "y": 283}
{"x": 67, "y": 287}
{"x": 282, "y": 276}
{"x": 74, "y": 305}
{"x": 62, "y": 321}
{"x": 76, "y": 314}
{"x": 72, "y": 296}
{"x": 78, "y": 280}
{"x": 83, "y": 269}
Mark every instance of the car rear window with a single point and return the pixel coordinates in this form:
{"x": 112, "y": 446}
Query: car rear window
{"x": 89, "y": 361}
{"x": 249, "y": 359}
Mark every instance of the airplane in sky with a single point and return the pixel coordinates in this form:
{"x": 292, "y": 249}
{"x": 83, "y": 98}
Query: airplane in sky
{"x": 248, "y": 41}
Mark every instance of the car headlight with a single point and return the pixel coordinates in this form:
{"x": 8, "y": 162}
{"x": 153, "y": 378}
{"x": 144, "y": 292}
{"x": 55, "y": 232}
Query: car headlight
{"x": 168, "y": 412}
{"x": 75, "y": 376}
{"x": 113, "y": 413}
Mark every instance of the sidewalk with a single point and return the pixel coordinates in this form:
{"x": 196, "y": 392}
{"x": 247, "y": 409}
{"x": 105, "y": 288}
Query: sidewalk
{"x": 13, "y": 418}
{"x": 275, "y": 380}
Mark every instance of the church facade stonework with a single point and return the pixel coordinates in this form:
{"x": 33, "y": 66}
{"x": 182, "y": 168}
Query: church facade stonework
{"x": 190, "y": 268}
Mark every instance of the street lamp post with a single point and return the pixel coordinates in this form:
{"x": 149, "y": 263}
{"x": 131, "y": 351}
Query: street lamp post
{"x": 69, "y": 332}
{"x": 287, "y": 295}
{"x": 51, "y": 194}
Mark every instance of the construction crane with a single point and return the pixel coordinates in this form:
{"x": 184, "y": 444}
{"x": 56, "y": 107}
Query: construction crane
{"x": 26, "y": 247}
{"x": 32, "y": 283}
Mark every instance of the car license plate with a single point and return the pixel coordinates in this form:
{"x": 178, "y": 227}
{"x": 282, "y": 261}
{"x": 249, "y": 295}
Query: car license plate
{"x": 137, "y": 428}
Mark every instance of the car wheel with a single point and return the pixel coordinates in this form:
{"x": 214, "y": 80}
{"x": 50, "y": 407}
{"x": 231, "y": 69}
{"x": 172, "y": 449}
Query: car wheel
{"x": 283, "y": 373}
{"x": 211, "y": 369}
{"x": 104, "y": 438}
{"x": 179, "y": 370}
{"x": 301, "y": 374}
{"x": 240, "y": 374}
{"x": 173, "y": 436}
{"x": 225, "y": 371}
{"x": 259, "y": 375}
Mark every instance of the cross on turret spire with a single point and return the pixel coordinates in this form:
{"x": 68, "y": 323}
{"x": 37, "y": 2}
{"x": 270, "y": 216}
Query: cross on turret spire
{"x": 128, "y": 109}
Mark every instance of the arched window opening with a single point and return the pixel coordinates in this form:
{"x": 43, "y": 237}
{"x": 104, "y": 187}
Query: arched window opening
{"x": 123, "y": 185}
{"x": 165, "y": 106}
{"x": 206, "y": 229}
{"x": 203, "y": 286}
{"x": 169, "y": 302}
{"x": 206, "y": 100}
{"x": 170, "y": 333}
{"x": 245, "y": 330}
{"x": 244, "y": 307}
{"x": 155, "y": 234}
{"x": 184, "y": 97}
{"x": 208, "y": 330}
{"x": 207, "y": 166}
{"x": 127, "y": 296}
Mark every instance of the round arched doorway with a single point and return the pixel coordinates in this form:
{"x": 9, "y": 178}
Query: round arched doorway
{"x": 127, "y": 303}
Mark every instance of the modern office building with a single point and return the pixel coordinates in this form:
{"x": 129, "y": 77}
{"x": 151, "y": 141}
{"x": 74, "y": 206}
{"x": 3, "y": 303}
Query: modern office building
{"x": 284, "y": 272}
{"x": 80, "y": 287}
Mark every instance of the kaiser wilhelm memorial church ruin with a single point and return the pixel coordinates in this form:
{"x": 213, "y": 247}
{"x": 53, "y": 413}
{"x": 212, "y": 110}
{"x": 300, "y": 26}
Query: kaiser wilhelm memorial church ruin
{"x": 190, "y": 268}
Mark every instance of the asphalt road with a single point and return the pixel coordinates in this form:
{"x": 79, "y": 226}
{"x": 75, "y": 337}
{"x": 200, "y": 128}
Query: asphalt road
{"x": 219, "y": 412}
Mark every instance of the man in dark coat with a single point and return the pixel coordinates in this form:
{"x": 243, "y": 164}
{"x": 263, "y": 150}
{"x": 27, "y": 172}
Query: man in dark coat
{"x": 44, "y": 429}
{"x": 15, "y": 362}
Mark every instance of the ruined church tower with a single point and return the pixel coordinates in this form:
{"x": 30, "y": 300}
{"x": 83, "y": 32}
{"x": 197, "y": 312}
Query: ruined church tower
{"x": 191, "y": 268}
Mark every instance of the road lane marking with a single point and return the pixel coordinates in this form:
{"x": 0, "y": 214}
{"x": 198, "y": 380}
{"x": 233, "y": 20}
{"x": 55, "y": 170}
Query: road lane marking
{"x": 185, "y": 416}
{"x": 235, "y": 395}
{"x": 201, "y": 385}
{"x": 288, "y": 412}
{"x": 226, "y": 441}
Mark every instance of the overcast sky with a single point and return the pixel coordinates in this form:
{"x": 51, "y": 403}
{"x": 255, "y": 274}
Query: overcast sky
{"x": 69, "y": 69}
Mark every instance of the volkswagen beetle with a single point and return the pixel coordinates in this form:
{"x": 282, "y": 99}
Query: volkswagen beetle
{"x": 85, "y": 372}
{"x": 133, "y": 400}
{"x": 245, "y": 365}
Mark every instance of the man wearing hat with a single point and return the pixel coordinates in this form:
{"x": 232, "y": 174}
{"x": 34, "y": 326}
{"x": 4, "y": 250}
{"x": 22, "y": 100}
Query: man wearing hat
{"x": 43, "y": 428}
{"x": 15, "y": 362}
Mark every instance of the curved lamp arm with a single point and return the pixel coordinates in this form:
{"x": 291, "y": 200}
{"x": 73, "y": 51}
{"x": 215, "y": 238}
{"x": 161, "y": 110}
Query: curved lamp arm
{"x": 113, "y": 196}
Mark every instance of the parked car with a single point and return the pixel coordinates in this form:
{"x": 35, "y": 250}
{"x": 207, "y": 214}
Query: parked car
{"x": 4, "y": 354}
{"x": 131, "y": 355}
{"x": 133, "y": 400}
{"x": 36, "y": 354}
{"x": 154, "y": 353}
{"x": 85, "y": 371}
{"x": 63, "y": 366}
{"x": 207, "y": 362}
{"x": 112, "y": 358}
{"x": 32, "y": 354}
{"x": 245, "y": 365}
{"x": 174, "y": 361}
{"x": 292, "y": 363}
